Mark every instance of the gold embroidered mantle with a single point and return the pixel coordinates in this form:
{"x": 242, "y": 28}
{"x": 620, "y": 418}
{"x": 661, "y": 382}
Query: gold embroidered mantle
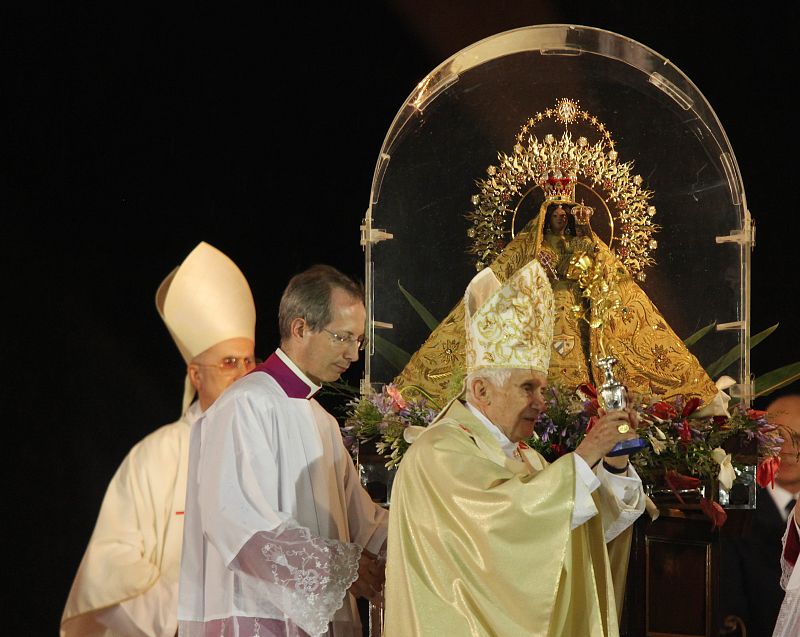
{"x": 652, "y": 358}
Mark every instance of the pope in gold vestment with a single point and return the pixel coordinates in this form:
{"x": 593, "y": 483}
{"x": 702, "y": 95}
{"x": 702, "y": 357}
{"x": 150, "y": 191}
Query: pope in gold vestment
{"x": 485, "y": 537}
{"x": 480, "y": 544}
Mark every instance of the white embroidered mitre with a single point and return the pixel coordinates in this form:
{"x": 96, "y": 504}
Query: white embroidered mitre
{"x": 509, "y": 325}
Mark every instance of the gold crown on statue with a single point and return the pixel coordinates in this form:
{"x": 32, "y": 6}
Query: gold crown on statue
{"x": 582, "y": 213}
{"x": 557, "y": 183}
{"x": 556, "y": 165}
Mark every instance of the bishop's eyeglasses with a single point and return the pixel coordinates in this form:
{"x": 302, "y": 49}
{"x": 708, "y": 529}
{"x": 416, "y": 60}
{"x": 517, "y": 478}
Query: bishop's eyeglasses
{"x": 232, "y": 364}
{"x": 348, "y": 340}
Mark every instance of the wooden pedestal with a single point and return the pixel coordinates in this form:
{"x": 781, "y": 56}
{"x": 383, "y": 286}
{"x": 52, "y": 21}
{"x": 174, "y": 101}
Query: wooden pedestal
{"x": 673, "y": 576}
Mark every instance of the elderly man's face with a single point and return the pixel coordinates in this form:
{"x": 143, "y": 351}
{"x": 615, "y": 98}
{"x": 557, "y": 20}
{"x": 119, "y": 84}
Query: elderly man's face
{"x": 323, "y": 357}
{"x": 515, "y": 406}
{"x": 215, "y": 369}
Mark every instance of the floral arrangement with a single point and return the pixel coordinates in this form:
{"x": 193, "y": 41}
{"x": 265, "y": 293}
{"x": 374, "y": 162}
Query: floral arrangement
{"x": 685, "y": 451}
{"x": 385, "y": 417}
{"x": 685, "y": 448}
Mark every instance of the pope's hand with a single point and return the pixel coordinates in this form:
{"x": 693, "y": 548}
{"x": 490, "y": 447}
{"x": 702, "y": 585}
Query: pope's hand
{"x": 609, "y": 429}
{"x": 371, "y": 575}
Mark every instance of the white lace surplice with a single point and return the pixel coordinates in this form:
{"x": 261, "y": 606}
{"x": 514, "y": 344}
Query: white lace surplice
{"x": 275, "y": 519}
{"x": 296, "y": 575}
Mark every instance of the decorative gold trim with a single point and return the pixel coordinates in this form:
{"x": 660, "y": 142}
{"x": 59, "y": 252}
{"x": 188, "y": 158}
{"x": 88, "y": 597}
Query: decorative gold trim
{"x": 557, "y": 166}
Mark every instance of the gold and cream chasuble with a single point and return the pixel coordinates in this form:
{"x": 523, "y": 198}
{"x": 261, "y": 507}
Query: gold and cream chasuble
{"x": 483, "y": 544}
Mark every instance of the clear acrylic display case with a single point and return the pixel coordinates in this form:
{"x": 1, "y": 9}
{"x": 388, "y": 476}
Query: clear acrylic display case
{"x": 471, "y": 107}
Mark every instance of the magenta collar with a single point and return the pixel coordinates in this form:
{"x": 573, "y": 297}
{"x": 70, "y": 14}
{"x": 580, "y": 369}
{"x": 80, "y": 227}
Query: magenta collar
{"x": 287, "y": 378}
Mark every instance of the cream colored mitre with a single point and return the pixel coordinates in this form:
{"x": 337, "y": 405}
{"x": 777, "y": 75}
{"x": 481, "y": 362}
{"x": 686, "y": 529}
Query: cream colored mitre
{"x": 509, "y": 325}
{"x": 204, "y": 301}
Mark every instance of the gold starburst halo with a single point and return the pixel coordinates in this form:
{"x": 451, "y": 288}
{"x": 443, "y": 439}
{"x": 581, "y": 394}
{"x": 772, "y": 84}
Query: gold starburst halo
{"x": 556, "y": 165}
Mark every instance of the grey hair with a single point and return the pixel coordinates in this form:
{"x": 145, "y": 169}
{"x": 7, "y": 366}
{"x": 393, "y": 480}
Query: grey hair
{"x": 497, "y": 376}
{"x": 308, "y": 296}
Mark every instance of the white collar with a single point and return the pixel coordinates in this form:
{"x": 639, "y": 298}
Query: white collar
{"x": 508, "y": 447}
{"x": 313, "y": 387}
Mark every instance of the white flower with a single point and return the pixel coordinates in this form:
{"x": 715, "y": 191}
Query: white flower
{"x": 726, "y": 473}
{"x": 657, "y": 445}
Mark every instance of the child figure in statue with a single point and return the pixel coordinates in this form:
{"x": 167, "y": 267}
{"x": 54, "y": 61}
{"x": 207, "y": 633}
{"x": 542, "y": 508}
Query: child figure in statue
{"x": 564, "y": 239}
{"x": 651, "y": 358}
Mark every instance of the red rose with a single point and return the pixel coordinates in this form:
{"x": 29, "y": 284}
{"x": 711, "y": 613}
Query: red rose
{"x": 663, "y": 410}
{"x": 690, "y": 407}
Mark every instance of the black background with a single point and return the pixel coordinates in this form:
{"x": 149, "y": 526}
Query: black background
{"x": 131, "y": 134}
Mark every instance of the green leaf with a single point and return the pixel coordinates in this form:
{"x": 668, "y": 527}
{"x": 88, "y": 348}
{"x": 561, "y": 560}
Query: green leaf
{"x": 699, "y": 334}
{"x": 755, "y": 340}
{"x": 394, "y": 355}
{"x": 715, "y": 369}
{"x": 420, "y": 309}
{"x": 777, "y": 378}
